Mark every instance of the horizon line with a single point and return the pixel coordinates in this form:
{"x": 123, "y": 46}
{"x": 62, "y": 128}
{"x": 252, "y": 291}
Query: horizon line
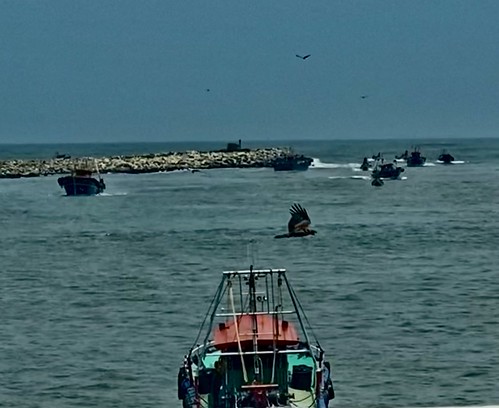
{"x": 250, "y": 141}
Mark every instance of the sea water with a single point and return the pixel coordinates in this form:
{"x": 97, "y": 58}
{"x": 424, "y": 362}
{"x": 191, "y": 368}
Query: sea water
{"x": 100, "y": 297}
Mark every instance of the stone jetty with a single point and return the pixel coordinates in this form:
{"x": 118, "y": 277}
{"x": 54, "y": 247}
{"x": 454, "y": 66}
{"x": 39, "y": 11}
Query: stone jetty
{"x": 148, "y": 163}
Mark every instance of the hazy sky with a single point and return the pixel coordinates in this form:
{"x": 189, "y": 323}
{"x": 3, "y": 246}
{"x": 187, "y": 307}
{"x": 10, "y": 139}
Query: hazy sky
{"x": 104, "y": 70}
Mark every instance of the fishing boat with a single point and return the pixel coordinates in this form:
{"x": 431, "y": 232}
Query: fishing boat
{"x": 445, "y": 158}
{"x": 253, "y": 349}
{"x": 387, "y": 171}
{"x": 365, "y": 164}
{"x": 292, "y": 162}
{"x": 61, "y": 156}
{"x": 82, "y": 182}
{"x": 416, "y": 159}
{"x": 402, "y": 157}
{"x": 377, "y": 182}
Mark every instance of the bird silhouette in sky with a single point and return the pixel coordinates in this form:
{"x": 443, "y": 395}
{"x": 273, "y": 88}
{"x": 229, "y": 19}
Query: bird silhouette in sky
{"x": 303, "y": 58}
{"x": 363, "y": 97}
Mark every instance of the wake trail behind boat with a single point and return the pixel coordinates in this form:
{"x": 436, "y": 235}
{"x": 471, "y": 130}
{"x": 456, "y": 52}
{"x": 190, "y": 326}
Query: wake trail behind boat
{"x": 452, "y": 162}
{"x": 111, "y": 194}
{"x": 318, "y": 164}
{"x": 349, "y": 177}
{"x": 360, "y": 177}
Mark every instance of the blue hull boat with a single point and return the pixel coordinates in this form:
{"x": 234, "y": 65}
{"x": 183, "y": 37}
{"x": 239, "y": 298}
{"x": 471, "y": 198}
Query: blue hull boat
{"x": 81, "y": 182}
{"x": 81, "y": 186}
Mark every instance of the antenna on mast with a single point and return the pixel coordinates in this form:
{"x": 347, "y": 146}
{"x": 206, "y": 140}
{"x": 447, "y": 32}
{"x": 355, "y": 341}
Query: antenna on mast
{"x": 251, "y": 250}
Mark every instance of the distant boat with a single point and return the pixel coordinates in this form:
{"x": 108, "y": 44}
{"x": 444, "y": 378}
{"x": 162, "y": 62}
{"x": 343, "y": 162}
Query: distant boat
{"x": 61, "y": 156}
{"x": 365, "y": 165}
{"x": 387, "y": 171}
{"x": 292, "y": 163}
{"x": 445, "y": 158}
{"x": 253, "y": 349}
{"x": 415, "y": 159}
{"x": 233, "y": 147}
{"x": 81, "y": 182}
{"x": 403, "y": 156}
{"x": 377, "y": 182}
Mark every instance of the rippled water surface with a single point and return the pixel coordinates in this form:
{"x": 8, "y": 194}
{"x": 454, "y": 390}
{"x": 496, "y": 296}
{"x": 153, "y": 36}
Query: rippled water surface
{"x": 100, "y": 297}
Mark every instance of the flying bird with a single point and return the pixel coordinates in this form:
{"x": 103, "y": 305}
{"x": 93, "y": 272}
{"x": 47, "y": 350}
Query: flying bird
{"x": 299, "y": 224}
{"x": 364, "y": 96}
{"x": 303, "y": 58}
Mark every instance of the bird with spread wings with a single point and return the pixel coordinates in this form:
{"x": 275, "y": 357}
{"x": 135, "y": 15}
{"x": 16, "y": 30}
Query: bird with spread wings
{"x": 299, "y": 224}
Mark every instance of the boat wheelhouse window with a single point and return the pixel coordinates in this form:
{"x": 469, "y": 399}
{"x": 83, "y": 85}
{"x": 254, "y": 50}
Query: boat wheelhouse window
{"x": 299, "y": 368}
{"x": 301, "y": 378}
{"x": 206, "y": 380}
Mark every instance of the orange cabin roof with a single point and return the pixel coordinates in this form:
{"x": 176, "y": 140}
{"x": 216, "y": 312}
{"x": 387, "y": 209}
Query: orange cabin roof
{"x": 267, "y": 327}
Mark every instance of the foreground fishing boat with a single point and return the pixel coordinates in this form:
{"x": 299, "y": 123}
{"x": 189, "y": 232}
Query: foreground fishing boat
{"x": 255, "y": 352}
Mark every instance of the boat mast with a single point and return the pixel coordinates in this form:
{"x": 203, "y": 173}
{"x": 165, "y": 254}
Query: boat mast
{"x": 97, "y": 169}
{"x": 252, "y": 301}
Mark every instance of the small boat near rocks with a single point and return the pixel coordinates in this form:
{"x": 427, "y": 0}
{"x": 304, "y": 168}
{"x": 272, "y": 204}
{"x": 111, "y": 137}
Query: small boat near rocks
{"x": 292, "y": 163}
{"x": 82, "y": 182}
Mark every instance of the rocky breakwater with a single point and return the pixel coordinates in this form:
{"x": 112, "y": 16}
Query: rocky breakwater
{"x": 148, "y": 163}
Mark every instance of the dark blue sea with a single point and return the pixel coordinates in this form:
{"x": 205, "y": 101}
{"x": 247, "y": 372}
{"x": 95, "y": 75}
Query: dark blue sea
{"x": 100, "y": 297}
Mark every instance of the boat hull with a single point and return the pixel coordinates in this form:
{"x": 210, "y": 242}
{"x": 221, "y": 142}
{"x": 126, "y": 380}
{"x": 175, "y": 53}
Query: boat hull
{"x": 291, "y": 167}
{"x": 416, "y": 159}
{"x": 81, "y": 186}
{"x": 415, "y": 163}
{"x": 292, "y": 163}
{"x": 446, "y": 158}
{"x": 392, "y": 174}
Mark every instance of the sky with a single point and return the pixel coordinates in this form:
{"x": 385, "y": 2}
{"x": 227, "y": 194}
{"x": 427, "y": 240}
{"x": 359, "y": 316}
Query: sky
{"x": 170, "y": 70}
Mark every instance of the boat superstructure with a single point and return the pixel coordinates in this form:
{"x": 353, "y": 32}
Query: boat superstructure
{"x": 253, "y": 349}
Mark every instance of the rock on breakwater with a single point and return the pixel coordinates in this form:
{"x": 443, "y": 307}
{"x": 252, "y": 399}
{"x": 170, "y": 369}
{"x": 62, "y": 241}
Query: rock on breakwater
{"x": 148, "y": 163}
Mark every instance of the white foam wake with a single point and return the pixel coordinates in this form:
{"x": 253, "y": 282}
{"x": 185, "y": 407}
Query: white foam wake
{"x": 452, "y": 162}
{"x": 349, "y": 177}
{"x": 318, "y": 164}
{"x": 111, "y": 194}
